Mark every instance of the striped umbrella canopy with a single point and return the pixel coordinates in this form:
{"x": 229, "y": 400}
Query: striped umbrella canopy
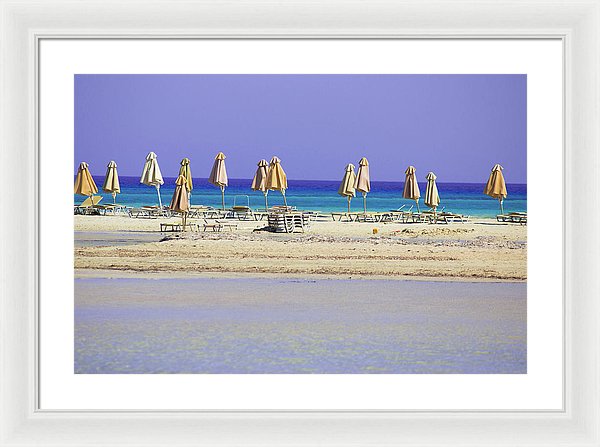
{"x": 259, "y": 182}
{"x": 496, "y": 186}
{"x": 276, "y": 178}
{"x": 84, "y": 183}
{"x": 111, "y": 181}
{"x": 218, "y": 175}
{"x": 180, "y": 201}
{"x": 186, "y": 171}
{"x": 151, "y": 175}
{"x": 411, "y": 187}
{"x": 363, "y": 180}
{"x": 432, "y": 197}
{"x": 347, "y": 188}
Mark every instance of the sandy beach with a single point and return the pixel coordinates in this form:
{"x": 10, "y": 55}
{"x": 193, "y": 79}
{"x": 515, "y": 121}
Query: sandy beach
{"x": 480, "y": 250}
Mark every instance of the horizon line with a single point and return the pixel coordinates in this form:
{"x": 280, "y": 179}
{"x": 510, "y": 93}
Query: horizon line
{"x": 320, "y": 180}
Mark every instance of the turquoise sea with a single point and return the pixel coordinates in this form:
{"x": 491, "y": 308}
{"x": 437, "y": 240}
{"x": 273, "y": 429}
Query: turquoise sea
{"x": 320, "y": 195}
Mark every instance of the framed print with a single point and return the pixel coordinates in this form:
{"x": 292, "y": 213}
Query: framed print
{"x": 300, "y": 224}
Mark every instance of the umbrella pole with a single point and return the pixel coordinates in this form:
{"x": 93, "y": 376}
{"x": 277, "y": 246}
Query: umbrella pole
{"x": 501, "y": 207}
{"x": 114, "y": 194}
{"x": 159, "y": 199}
{"x": 266, "y": 200}
{"x": 284, "y": 200}
{"x": 418, "y": 209}
{"x": 365, "y": 201}
{"x": 223, "y": 197}
{"x": 349, "y": 198}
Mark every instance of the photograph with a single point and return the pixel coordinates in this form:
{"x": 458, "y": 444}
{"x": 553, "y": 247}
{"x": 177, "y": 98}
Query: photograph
{"x": 300, "y": 223}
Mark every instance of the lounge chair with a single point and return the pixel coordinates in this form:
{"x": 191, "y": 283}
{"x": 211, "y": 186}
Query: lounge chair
{"x": 218, "y": 225}
{"x": 149, "y": 212}
{"x": 88, "y": 206}
{"x": 516, "y": 217}
{"x": 349, "y": 216}
{"x": 401, "y": 214}
{"x": 242, "y": 212}
{"x": 171, "y": 227}
{"x": 447, "y": 217}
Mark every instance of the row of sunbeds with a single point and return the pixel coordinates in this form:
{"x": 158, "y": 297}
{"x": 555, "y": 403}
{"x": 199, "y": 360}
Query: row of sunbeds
{"x": 403, "y": 215}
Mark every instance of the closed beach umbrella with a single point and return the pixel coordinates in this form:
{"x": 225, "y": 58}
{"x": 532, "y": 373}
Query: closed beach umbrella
{"x": 496, "y": 186}
{"x": 411, "y": 187}
{"x": 111, "y": 181}
{"x": 84, "y": 183}
{"x": 259, "y": 182}
{"x": 218, "y": 175}
{"x": 181, "y": 201}
{"x": 432, "y": 197}
{"x": 151, "y": 175}
{"x": 363, "y": 181}
{"x": 276, "y": 178}
{"x": 186, "y": 171}
{"x": 346, "y": 188}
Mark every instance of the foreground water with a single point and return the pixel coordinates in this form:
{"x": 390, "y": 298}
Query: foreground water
{"x": 249, "y": 325}
{"x": 466, "y": 198}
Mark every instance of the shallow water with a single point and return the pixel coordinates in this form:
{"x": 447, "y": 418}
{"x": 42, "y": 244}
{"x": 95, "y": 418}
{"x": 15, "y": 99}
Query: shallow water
{"x": 248, "y": 325}
{"x": 114, "y": 239}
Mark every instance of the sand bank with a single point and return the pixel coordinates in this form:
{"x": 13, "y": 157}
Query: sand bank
{"x": 475, "y": 251}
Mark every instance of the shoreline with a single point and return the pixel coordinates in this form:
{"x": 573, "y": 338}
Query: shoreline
{"x": 162, "y": 275}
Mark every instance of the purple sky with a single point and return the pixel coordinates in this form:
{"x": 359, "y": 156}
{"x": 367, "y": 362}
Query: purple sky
{"x": 457, "y": 126}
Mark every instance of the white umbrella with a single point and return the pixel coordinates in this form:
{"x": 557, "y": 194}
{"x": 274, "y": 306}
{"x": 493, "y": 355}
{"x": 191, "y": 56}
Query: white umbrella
{"x": 218, "y": 175}
{"x": 259, "y": 182}
{"x": 432, "y": 197}
{"x": 151, "y": 175}
{"x": 363, "y": 180}
{"x": 111, "y": 181}
{"x": 346, "y": 188}
{"x": 411, "y": 187}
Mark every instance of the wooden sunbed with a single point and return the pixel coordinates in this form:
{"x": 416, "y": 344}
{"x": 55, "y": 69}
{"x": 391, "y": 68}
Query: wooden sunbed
{"x": 351, "y": 217}
{"x": 172, "y": 227}
{"x": 218, "y": 226}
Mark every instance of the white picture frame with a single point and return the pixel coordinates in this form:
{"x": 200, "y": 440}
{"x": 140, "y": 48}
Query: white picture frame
{"x": 25, "y": 22}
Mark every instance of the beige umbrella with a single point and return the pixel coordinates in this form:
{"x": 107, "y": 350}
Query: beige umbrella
{"x": 151, "y": 175}
{"x": 186, "y": 171}
{"x": 84, "y": 183}
{"x": 496, "y": 186}
{"x": 432, "y": 197}
{"x": 180, "y": 201}
{"x": 346, "y": 188}
{"x": 411, "y": 187}
{"x": 276, "y": 178}
{"x": 111, "y": 181}
{"x": 259, "y": 182}
{"x": 218, "y": 175}
{"x": 363, "y": 181}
